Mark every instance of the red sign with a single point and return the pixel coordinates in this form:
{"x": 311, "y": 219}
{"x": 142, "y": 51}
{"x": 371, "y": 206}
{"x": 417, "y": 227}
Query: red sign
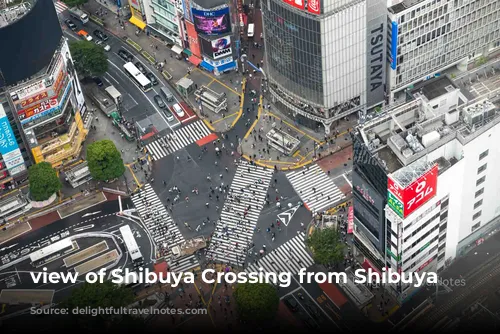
{"x": 350, "y": 220}
{"x": 313, "y": 6}
{"x": 41, "y": 107}
{"x": 417, "y": 193}
{"x": 194, "y": 42}
{"x": 59, "y": 82}
{"x": 425, "y": 264}
{"x": 34, "y": 99}
{"x": 296, "y": 3}
{"x": 479, "y": 241}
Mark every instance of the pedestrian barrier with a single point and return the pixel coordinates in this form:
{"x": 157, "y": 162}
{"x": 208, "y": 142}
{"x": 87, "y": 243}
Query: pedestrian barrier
{"x": 148, "y": 57}
{"x": 166, "y": 75}
{"x": 96, "y": 20}
{"x": 133, "y": 44}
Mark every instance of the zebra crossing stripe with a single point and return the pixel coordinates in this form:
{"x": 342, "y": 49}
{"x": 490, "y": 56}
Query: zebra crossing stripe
{"x": 156, "y": 219}
{"x": 315, "y": 188}
{"x": 178, "y": 139}
{"x": 60, "y": 7}
{"x": 289, "y": 257}
{"x": 234, "y": 231}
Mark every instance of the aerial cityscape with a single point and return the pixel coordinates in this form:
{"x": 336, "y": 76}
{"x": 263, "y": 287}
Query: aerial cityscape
{"x": 242, "y": 165}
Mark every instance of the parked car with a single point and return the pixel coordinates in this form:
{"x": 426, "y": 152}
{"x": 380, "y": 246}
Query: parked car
{"x": 152, "y": 78}
{"x": 140, "y": 67}
{"x": 70, "y": 24}
{"x": 178, "y": 110}
{"x": 103, "y": 45}
{"x": 292, "y": 304}
{"x": 313, "y": 311}
{"x": 99, "y": 34}
{"x": 98, "y": 81}
{"x": 168, "y": 115}
{"x": 159, "y": 101}
{"x": 85, "y": 35}
{"x": 125, "y": 55}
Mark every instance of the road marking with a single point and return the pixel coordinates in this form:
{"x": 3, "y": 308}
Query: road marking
{"x": 291, "y": 292}
{"x": 113, "y": 78}
{"x": 345, "y": 177}
{"x": 83, "y": 228}
{"x": 286, "y": 216}
{"x": 305, "y": 310}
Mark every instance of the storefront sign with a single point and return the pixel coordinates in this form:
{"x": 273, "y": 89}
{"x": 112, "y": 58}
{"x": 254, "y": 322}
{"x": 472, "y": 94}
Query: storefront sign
{"x": 221, "y": 47}
{"x": 18, "y": 169}
{"x": 16, "y": 159}
{"x": 395, "y": 204}
{"x": 313, "y": 6}
{"x": 219, "y": 62}
{"x": 59, "y": 82}
{"x": 350, "y": 220}
{"x": 33, "y": 99}
{"x": 36, "y": 109}
{"x": 31, "y": 89}
{"x": 194, "y": 42}
{"x": 296, "y": 3}
{"x": 425, "y": 264}
{"x": 51, "y": 109}
{"x": 8, "y": 141}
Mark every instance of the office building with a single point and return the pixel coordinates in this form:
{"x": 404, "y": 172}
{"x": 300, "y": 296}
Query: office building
{"x": 163, "y": 19}
{"x": 430, "y": 36}
{"x": 325, "y": 60}
{"x": 425, "y": 184}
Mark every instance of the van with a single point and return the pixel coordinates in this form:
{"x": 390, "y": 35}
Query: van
{"x": 167, "y": 94}
{"x": 250, "y": 30}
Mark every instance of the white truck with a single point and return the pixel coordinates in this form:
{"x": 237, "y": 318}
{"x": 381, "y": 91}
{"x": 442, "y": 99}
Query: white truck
{"x": 79, "y": 14}
{"x": 114, "y": 94}
{"x": 189, "y": 247}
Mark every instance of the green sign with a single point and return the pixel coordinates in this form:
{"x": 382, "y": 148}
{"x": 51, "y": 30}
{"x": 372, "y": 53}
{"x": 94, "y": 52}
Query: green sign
{"x": 395, "y": 204}
{"x": 392, "y": 254}
{"x": 425, "y": 246}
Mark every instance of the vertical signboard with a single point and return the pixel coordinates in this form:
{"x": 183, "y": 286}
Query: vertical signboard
{"x": 350, "y": 220}
{"x": 186, "y": 5}
{"x": 194, "y": 41}
{"x": 221, "y": 47}
{"x": 313, "y": 7}
{"x": 9, "y": 149}
{"x": 394, "y": 45}
{"x": 376, "y": 41}
{"x": 404, "y": 201}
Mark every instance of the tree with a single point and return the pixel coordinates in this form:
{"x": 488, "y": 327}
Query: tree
{"x": 326, "y": 246}
{"x": 44, "y": 181}
{"x": 104, "y": 160}
{"x": 74, "y": 3}
{"x": 89, "y": 58}
{"x": 107, "y": 294}
{"x": 256, "y": 302}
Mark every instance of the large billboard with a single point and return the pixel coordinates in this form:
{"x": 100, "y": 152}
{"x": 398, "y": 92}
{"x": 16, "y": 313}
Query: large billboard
{"x": 296, "y": 3}
{"x": 221, "y": 47}
{"x": 31, "y": 89}
{"x": 314, "y": 7}
{"x": 194, "y": 41}
{"x": 213, "y": 22}
{"x": 404, "y": 201}
{"x": 52, "y": 106}
{"x": 37, "y": 108}
{"x": 186, "y": 5}
{"x": 8, "y": 141}
{"x": 34, "y": 99}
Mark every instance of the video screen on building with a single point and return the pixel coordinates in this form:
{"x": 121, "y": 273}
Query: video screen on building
{"x": 212, "y": 22}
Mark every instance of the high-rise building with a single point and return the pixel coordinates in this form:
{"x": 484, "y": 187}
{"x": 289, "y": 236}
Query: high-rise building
{"x": 164, "y": 20}
{"x": 425, "y": 185}
{"x": 430, "y": 36}
{"x": 43, "y": 98}
{"x": 325, "y": 59}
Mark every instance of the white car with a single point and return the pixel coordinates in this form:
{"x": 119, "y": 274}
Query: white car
{"x": 106, "y": 47}
{"x": 178, "y": 110}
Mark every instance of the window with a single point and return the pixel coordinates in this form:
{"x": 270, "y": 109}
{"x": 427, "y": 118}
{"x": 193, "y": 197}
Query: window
{"x": 443, "y": 216}
{"x": 444, "y": 204}
{"x": 476, "y": 215}
{"x": 481, "y": 180}
{"x": 478, "y": 204}
{"x": 482, "y": 168}
{"x": 479, "y": 192}
{"x": 483, "y": 155}
{"x": 475, "y": 227}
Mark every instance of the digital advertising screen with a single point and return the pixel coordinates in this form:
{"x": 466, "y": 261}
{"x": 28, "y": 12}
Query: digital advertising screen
{"x": 212, "y": 22}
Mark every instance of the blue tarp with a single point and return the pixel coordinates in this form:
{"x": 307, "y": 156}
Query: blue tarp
{"x": 207, "y": 66}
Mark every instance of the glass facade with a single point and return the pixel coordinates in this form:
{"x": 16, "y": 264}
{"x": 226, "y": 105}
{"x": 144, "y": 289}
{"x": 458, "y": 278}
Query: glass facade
{"x": 293, "y": 47}
{"x": 165, "y": 16}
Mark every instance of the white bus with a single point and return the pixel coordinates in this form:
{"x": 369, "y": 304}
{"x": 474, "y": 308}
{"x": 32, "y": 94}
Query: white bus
{"x": 130, "y": 243}
{"x": 48, "y": 253}
{"x": 139, "y": 78}
{"x": 251, "y": 28}
{"x": 79, "y": 14}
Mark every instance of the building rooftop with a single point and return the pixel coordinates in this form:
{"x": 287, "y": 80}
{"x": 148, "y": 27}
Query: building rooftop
{"x": 435, "y": 87}
{"x": 13, "y": 11}
{"x": 398, "y": 8}
{"x": 209, "y": 4}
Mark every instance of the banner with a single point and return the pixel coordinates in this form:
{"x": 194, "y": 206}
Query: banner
{"x": 221, "y": 47}
{"x": 350, "y": 220}
{"x": 194, "y": 41}
{"x": 313, "y": 7}
{"x": 26, "y": 91}
{"x": 212, "y": 22}
{"x": 296, "y": 3}
{"x": 33, "y": 99}
{"x": 8, "y": 141}
{"x": 38, "y": 108}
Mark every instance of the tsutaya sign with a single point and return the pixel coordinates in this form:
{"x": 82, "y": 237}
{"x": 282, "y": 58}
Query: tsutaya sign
{"x": 404, "y": 201}
{"x": 376, "y": 56}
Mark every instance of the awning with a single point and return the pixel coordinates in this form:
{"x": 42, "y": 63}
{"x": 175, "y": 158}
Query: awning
{"x": 225, "y": 67}
{"x": 138, "y": 23}
{"x": 188, "y": 52}
{"x": 195, "y": 60}
{"x": 206, "y": 66}
{"x": 177, "y": 49}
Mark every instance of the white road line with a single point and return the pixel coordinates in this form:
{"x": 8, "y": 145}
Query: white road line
{"x": 347, "y": 180}
{"x": 291, "y": 292}
{"x": 133, "y": 99}
{"x": 112, "y": 78}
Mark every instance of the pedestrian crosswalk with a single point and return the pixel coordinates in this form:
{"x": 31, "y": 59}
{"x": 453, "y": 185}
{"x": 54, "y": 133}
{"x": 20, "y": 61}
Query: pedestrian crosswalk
{"x": 245, "y": 199}
{"x": 163, "y": 230}
{"x": 60, "y": 7}
{"x": 315, "y": 188}
{"x": 180, "y": 138}
{"x": 289, "y": 257}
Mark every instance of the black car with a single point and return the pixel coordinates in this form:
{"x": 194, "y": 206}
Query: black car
{"x": 140, "y": 67}
{"x": 98, "y": 81}
{"x": 159, "y": 101}
{"x": 70, "y": 24}
{"x": 152, "y": 78}
{"x": 125, "y": 55}
{"x": 99, "y": 34}
{"x": 292, "y": 304}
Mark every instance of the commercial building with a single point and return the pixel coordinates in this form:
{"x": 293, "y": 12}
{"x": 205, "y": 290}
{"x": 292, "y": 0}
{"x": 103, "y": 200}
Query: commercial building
{"x": 430, "y": 36}
{"x": 44, "y": 104}
{"x": 425, "y": 184}
{"x": 327, "y": 59}
{"x": 163, "y": 18}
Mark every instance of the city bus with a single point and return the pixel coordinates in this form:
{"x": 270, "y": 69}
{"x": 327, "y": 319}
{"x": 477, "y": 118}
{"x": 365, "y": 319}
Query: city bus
{"x": 51, "y": 252}
{"x": 131, "y": 244}
{"x": 140, "y": 79}
{"x": 250, "y": 31}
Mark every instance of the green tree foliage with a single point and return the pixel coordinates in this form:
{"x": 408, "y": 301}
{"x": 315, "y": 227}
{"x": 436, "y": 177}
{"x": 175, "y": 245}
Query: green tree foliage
{"x": 256, "y": 301}
{"x": 107, "y": 294}
{"x": 44, "y": 181}
{"x": 75, "y": 3}
{"x": 326, "y": 246}
{"x": 89, "y": 58}
{"x": 104, "y": 160}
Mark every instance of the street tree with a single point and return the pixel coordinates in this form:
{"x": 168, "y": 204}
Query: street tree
{"x": 44, "y": 181}
{"x": 75, "y": 3}
{"x": 104, "y": 160}
{"x": 89, "y": 58}
{"x": 326, "y": 246}
{"x": 256, "y": 302}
